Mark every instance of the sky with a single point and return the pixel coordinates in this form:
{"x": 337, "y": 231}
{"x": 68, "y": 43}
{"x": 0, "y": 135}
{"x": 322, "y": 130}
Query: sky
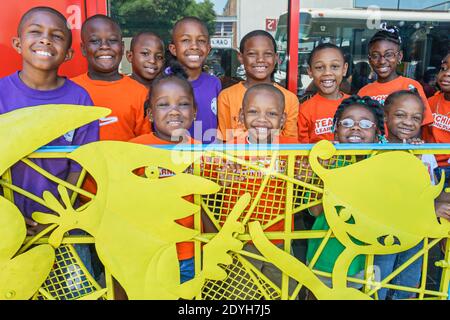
{"x": 218, "y": 5}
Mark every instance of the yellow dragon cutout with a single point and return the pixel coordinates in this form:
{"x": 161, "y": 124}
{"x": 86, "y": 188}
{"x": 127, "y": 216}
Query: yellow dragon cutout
{"x": 358, "y": 207}
{"x": 21, "y": 275}
{"x": 133, "y": 218}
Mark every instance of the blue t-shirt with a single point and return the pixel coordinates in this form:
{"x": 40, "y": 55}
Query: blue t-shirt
{"x": 14, "y": 94}
{"x": 206, "y": 90}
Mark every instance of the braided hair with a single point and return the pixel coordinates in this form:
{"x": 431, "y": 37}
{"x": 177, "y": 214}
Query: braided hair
{"x": 387, "y": 33}
{"x": 412, "y": 92}
{"x": 368, "y": 103}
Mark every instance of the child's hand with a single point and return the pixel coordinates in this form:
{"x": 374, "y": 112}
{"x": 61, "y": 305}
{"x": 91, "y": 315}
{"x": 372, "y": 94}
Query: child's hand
{"x": 416, "y": 141}
{"x": 33, "y": 228}
{"x": 303, "y": 170}
{"x": 230, "y": 172}
{"x": 443, "y": 210}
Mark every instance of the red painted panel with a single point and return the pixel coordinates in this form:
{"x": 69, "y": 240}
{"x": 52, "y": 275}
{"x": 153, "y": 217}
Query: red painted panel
{"x": 73, "y": 10}
{"x": 293, "y": 24}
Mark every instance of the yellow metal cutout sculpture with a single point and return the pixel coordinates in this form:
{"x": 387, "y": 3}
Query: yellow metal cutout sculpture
{"x": 22, "y": 275}
{"x": 386, "y": 202}
{"x": 133, "y": 218}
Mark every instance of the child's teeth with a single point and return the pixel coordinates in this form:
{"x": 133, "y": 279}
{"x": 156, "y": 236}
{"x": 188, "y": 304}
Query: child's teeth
{"x": 194, "y": 58}
{"x": 44, "y": 53}
{"x": 105, "y": 57}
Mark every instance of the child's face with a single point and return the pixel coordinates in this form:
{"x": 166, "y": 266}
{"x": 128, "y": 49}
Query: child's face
{"x": 384, "y": 56}
{"x": 348, "y": 133}
{"x": 190, "y": 44}
{"x": 102, "y": 45}
{"x": 147, "y": 57}
{"x": 404, "y": 119}
{"x": 43, "y": 41}
{"x": 259, "y": 58}
{"x": 443, "y": 77}
{"x": 262, "y": 113}
{"x": 172, "y": 109}
{"x": 327, "y": 71}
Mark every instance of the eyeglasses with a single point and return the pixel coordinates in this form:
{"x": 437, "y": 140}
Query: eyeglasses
{"x": 363, "y": 124}
{"x": 390, "y": 55}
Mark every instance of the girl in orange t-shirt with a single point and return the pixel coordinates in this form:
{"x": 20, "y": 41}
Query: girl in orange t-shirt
{"x": 172, "y": 111}
{"x": 327, "y": 67}
{"x": 385, "y": 55}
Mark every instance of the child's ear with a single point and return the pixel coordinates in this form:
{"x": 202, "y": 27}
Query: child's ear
{"x": 241, "y": 115}
{"x": 400, "y": 56}
{"x": 283, "y": 120}
{"x": 83, "y": 49}
{"x": 240, "y": 58}
{"x": 69, "y": 54}
{"x": 309, "y": 71}
{"x": 345, "y": 68}
{"x": 172, "y": 49}
{"x": 129, "y": 55}
{"x": 15, "y": 41}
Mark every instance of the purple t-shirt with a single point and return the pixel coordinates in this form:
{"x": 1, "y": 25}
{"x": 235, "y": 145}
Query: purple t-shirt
{"x": 206, "y": 89}
{"x": 14, "y": 94}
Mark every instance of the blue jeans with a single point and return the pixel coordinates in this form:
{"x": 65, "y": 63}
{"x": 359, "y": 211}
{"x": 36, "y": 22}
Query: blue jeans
{"x": 187, "y": 270}
{"x": 437, "y": 173}
{"x": 410, "y": 277}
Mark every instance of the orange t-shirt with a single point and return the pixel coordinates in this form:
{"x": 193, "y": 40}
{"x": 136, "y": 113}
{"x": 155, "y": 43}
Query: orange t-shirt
{"x": 273, "y": 200}
{"x": 380, "y": 91}
{"x": 230, "y": 103}
{"x": 315, "y": 119}
{"x": 185, "y": 250}
{"x": 440, "y": 129}
{"x": 125, "y": 98}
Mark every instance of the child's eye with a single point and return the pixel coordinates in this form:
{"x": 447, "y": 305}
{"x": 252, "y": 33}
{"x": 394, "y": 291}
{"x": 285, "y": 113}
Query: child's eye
{"x": 400, "y": 115}
{"x": 159, "y": 57}
{"x": 162, "y": 106}
{"x": 417, "y": 119}
{"x": 335, "y": 67}
{"x": 202, "y": 41}
{"x": 444, "y": 67}
{"x": 59, "y": 37}
{"x": 145, "y": 54}
{"x": 318, "y": 67}
{"x": 95, "y": 41}
{"x": 273, "y": 114}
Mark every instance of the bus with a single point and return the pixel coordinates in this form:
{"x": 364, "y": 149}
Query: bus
{"x": 425, "y": 38}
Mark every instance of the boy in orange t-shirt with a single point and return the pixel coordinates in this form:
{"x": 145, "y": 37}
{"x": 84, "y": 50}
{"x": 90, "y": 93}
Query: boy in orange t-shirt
{"x": 385, "y": 55}
{"x": 263, "y": 115}
{"x": 327, "y": 67}
{"x": 102, "y": 46}
{"x": 258, "y": 55}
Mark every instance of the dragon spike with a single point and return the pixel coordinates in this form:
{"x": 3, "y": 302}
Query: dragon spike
{"x": 324, "y": 149}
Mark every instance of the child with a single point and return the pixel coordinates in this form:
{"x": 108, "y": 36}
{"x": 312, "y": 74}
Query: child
{"x": 327, "y": 67}
{"x": 258, "y": 54}
{"x": 357, "y": 120}
{"x": 404, "y": 116}
{"x": 440, "y": 106}
{"x": 146, "y": 56}
{"x": 44, "y": 42}
{"x": 190, "y": 46}
{"x": 263, "y": 116}
{"x": 385, "y": 55}
{"x": 172, "y": 111}
{"x": 102, "y": 46}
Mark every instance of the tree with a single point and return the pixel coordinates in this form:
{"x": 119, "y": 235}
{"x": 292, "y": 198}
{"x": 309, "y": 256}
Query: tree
{"x": 159, "y": 16}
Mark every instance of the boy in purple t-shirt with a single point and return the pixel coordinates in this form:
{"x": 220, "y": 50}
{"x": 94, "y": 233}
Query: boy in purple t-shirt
{"x": 44, "y": 42}
{"x": 190, "y": 45}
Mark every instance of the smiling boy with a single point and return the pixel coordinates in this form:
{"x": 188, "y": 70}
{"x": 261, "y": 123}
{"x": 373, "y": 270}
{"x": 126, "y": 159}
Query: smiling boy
{"x": 101, "y": 44}
{"x": 44, "y": 42}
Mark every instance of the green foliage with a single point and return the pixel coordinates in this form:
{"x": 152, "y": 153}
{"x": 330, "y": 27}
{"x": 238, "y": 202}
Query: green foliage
{"x": 159, "y": 16}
